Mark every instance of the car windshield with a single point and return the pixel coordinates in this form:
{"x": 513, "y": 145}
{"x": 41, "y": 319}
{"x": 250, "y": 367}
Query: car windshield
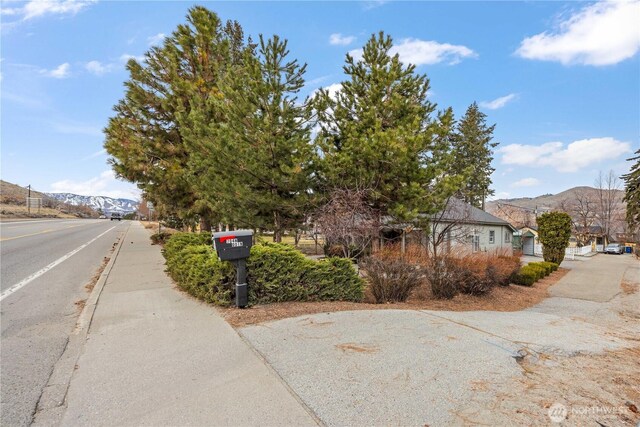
{"x": 613, "y": 245}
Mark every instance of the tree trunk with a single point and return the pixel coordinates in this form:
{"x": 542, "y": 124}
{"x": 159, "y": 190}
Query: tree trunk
{"x": 205, "y": 224}
{"x": 277, "y": 228}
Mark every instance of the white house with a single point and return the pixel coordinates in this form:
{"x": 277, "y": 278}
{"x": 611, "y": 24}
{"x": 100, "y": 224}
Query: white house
{"x": 459, "y": 228}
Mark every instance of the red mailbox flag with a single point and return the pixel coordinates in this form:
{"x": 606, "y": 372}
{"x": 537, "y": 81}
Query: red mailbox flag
{"x": 225, "y": 238}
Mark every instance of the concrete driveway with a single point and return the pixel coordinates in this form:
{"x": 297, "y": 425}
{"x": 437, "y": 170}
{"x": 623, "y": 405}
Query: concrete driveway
{"x": 388, "y": 367}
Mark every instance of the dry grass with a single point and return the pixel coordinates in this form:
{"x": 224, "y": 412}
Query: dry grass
{"x": 153, "y": 226}
{"x": 17, "y": 211}
{"x": 501, "y": 298}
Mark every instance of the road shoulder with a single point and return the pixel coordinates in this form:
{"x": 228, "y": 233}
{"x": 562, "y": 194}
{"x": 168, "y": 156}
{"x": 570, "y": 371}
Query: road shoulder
{"x": 51, "y": 404}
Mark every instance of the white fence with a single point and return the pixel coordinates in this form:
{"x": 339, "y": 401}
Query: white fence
{"x": 569, "y": 251}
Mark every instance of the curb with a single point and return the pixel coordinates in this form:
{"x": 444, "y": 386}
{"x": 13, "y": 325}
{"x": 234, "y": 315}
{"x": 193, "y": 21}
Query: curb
{"x": 51, "y": 404}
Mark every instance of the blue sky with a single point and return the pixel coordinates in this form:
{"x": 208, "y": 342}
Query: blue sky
{"x": 560, "y": 80}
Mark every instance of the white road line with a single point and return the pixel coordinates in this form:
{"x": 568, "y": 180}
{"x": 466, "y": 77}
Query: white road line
{"x": 39, "y": 273}
{"x": 27, "y": 222}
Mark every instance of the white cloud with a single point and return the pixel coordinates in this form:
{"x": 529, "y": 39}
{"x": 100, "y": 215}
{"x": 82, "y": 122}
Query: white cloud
{"x": 62, "y": 71}
{"x": 157, "y": 39}
{"x": 526, "y": 182}
{"x": 333, "y": 89}
{"x": 572, "y": 158}
{"x": 603, "y": 33}
{"x": 104, "y": 184}
{"x": 372, "y": 4}
{"x": 125, "y": 57}
{"x": 94, "y": 155}
{"x": 98, "y": 68}
{"x": 498, "y": 102}
{"x": 339, "y": 39}
{"x": 426, "y": 52}
{"x": 38, "y": 8}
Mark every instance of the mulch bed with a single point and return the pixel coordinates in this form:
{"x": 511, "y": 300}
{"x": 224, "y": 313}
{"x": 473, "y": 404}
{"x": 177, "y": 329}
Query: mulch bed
{"x": 508, "y": 298}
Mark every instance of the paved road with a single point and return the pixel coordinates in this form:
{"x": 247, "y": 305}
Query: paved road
{"x": 44, "y": 267}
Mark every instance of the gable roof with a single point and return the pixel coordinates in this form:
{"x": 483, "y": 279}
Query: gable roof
{"x": 472, "y": 215}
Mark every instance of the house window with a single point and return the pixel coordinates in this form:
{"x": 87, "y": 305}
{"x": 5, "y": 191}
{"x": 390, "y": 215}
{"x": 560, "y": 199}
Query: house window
{"x": 507, "y": 237}
{"x": 475, "y": 242}
{"x": 492, "y": 237}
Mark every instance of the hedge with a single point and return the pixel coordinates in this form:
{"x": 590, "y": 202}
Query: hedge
{"x": 276, "y": 272}
{"x": 532, "y": 272}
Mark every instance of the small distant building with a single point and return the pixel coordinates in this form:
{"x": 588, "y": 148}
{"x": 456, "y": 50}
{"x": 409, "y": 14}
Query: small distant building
{"x": 527, "y": 237}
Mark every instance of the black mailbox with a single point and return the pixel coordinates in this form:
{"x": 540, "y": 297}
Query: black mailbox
{"x": 235, "y": 246}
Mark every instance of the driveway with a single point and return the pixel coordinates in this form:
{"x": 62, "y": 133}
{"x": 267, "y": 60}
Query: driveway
{"x": 404, "y": 367}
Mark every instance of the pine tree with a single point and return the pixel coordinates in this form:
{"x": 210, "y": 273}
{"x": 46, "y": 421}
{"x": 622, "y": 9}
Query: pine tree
{"x": 632, "y": 193}
{"x": 473, "y": 150}
{"x": 262, "y": 152}
{"x": 146, "y": 136}
{"x": 377, "y": 134}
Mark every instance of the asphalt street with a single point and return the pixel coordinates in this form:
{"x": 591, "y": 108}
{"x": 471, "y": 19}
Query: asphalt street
{"x": 44, "y": 267}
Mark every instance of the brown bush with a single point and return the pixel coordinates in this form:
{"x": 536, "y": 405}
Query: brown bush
{"x": 391, "y": 279}
{"x": 446, "y": 276}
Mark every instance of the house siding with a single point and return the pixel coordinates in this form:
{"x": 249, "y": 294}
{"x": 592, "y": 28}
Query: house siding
{"x": 460, "y": 242}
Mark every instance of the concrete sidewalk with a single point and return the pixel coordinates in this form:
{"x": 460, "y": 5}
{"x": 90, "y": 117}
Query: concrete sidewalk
{"x": 154, "y": 356}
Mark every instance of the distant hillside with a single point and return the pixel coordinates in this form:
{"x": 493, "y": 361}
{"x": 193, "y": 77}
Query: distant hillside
{"x": 13, "y": 204}
{"x": 550, "y": 201}
{"x": 522, "y": 211}
{"x": 102, "y": 203}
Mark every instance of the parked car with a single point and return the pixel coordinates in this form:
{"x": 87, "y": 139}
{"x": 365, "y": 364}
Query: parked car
{"x": 116, "y": 215}
{"x": 103, "y": 217}
{"x": 614, "y": 248}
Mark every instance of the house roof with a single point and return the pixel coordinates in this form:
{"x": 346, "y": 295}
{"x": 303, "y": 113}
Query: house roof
{"x": 472, "y": 215}
{"x": 457, "y": 211}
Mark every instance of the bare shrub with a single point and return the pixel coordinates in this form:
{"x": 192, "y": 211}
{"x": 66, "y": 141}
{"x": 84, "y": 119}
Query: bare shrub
{"x": 347, "y": 222}
{"x": 391, "y": 279}
{"x": 444, "y": 276}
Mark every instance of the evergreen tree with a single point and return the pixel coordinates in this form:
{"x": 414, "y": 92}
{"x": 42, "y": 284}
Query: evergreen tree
{"x": 377, "y": 134}
{"x": 632, "y": 193}
{"x": 473, "y": 151}
{"x": 145, "y": 137}
{"x": 554, "y": 232}
{"x": 262, "y": 152}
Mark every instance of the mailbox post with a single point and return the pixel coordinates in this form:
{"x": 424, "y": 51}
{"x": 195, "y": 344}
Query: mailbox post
{"x": 235, "y": 246}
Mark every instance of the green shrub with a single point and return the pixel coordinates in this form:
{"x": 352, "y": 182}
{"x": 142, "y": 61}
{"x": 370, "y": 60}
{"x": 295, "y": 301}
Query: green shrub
{"x": 527, "y": 276}
{"x": 179, "y": 241}
{"x": 334, "y": 279}
{"x": 541, "y": 270}
{"x": 275, "y": 272}
{"x": 551, "y": 265}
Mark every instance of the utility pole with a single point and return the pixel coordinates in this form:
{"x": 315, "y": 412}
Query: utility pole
{"x": 29, "y": 200}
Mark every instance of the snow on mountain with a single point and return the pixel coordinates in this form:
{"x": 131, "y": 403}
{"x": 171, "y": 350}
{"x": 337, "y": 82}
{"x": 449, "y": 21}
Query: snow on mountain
{"x": 106, "y": 204}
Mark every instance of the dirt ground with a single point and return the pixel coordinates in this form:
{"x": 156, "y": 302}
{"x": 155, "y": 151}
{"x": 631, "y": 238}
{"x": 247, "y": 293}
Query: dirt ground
{"x": 509, "y": 298}
{"x": 602, "y": 389}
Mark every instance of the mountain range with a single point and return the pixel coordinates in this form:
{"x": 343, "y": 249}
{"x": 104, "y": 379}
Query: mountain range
{"x": 98, "y": 203}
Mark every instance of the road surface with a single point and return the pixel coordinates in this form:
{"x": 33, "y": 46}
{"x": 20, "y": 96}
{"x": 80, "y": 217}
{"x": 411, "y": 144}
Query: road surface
{"x": 44, "y": 267}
